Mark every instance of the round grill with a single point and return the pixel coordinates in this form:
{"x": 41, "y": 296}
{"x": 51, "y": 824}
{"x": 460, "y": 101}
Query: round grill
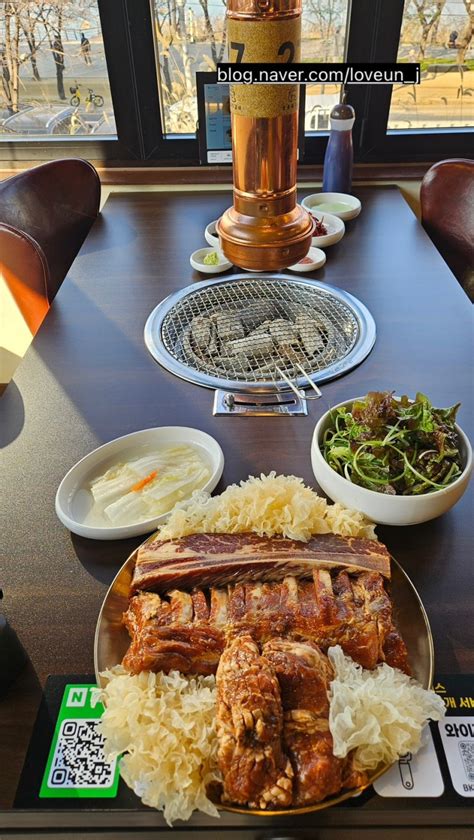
{"x": 234, "y": 333}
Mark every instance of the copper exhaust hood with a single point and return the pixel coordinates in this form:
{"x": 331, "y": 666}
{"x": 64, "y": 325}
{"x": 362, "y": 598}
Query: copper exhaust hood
{"x": 265, "y": 229}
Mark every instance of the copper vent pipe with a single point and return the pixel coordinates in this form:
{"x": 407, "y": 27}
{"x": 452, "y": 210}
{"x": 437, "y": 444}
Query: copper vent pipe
{"x": 265, "y": 229}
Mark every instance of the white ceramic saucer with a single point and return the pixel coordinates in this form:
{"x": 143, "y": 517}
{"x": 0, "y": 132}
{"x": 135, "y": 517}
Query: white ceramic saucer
{"x": 338, "y": 204}
{"x": 197, "y": 261}
{"x": 210, "y": 235}
{"x": 314, "y": 259}
{"x": 335, "y": 229}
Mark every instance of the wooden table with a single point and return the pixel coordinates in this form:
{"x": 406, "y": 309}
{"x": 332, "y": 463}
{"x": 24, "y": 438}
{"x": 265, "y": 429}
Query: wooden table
{"x": 88, "y": 378}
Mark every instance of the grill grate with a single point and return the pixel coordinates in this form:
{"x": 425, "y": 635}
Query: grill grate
{"x": 239, "y": 330}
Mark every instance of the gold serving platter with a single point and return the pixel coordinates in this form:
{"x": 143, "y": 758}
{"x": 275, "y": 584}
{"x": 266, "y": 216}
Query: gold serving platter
{"x": 112, "y": 640}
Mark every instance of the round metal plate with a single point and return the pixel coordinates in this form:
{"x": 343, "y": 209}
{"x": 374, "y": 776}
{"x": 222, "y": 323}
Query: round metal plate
{"x": 112, "y": 640}
{"x": 345, "y": 327}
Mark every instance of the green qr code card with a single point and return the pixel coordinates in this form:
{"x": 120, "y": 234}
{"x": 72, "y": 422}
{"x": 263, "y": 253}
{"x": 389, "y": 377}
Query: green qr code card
{"x": 76, "y": 766}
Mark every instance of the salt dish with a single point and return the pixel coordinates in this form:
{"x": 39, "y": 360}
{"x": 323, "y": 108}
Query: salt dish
{"x": 315, "y": 258}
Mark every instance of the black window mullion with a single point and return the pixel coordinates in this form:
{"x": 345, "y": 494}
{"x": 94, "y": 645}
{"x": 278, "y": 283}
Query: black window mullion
{"x": 373, "y": 30}
{"x": 133, "y": 72}
{"x": 122, "y": 28}
{"x": 374, "y": 34}
{"x": 424, "y": 145}
{"x": 155, "y": 145}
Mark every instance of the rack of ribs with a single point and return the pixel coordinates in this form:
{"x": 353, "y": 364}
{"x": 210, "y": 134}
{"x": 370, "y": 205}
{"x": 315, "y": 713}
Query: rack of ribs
{"x": 217, "y": 559}
{"x": 188, "y": 631}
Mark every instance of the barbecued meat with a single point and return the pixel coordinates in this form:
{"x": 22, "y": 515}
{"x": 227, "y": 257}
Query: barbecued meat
{"x": 351, "y": 777}
{"x": 326, "y": 610}
{"x": 188, "y": 632}
{"x": 254, "y": 768}
{"x": 275, "y": 747}
{"x": 304, "y": 674}
{"x": 165, "y": 637}
{"x": 216, "y": 559}
{"x": 273, "y": 608}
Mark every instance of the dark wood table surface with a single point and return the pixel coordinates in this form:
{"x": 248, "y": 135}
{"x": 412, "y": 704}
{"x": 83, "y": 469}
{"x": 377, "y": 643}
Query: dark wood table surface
{"x": 88, "y": 378}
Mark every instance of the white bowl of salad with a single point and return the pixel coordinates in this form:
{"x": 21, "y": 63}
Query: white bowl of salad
{"x": 128, "y": 486}
{"x": 397, "y": 460}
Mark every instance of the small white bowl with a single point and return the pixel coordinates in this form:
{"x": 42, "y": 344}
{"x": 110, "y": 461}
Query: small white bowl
{"x": 74, "y": 500}
{"x": 335, "y": 229}
{"x": 316, "y": 202}
{"x": 315, "y": 258}
{"x": 197, "y": 261}
{"x": 210, "y": 235}
{"x": 379, "y": 507}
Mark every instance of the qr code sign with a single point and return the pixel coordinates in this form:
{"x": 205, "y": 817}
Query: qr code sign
{"x": 466, "y": 748}
{"x": 78, "y": 760}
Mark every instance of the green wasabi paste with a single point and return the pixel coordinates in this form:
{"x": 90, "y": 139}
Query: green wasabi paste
{"x": 211, "y": 259}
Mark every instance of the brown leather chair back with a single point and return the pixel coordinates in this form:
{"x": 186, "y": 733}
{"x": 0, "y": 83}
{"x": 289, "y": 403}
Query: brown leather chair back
{"x": 24, "y": 269}
{"x": 447, "y": 214}
{"x": 55, "y": 204}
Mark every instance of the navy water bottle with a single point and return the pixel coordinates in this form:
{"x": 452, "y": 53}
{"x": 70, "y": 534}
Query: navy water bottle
{"x": 337, "y": 175}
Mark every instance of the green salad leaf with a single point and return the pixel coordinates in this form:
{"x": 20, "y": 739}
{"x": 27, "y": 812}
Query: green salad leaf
{"x": 394, "y": 446}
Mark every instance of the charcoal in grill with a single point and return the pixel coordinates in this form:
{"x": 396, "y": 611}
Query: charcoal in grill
{"x": 259, "y": 323}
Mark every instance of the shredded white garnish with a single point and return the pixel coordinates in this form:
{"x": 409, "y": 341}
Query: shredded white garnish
{"x": 269, "y": 505}
{"x": 380, "y": 714}
{"x": 164, "y": 724}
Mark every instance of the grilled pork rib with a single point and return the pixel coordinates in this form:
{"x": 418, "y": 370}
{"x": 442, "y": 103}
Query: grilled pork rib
{"x": 275, "y": 747}
{"x": 173, "y": 634}
{"x": 249, "y": 716}
{"x": 189, "y": 631}
{"x": 217, "y": 559}
{"x": 304, "y": 674}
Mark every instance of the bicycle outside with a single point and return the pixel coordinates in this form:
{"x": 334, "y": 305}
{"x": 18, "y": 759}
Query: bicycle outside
{"x": 91, "y": 99}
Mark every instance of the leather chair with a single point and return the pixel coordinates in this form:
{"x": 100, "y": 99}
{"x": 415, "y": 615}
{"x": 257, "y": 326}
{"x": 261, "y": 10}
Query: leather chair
{"x": 24, "y": 269}
{"x": 447, "y": 214}
{"x": 54, "y": 204}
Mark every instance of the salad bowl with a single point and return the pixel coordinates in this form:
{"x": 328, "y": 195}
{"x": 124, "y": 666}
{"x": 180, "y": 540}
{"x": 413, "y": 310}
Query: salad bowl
{"x": 382, "y": 508}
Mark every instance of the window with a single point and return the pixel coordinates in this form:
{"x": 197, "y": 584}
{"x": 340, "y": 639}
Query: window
{"x": 438, "y": 34}
{"x": 190, "y": 37}
{"x": 53, "y": 69}
{"x": 412, "y": 124}
{"x": 116, "y": 79}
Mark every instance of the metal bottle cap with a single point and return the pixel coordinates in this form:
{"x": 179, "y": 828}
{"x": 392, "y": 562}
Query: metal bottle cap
{"x": 341, "y": 111}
